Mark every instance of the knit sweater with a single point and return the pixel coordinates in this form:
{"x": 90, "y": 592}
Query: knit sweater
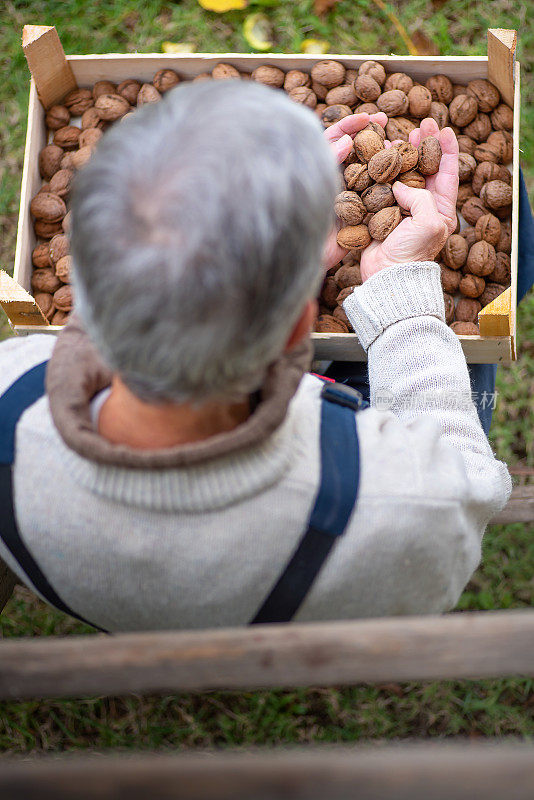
{"x": 196, "y": 536}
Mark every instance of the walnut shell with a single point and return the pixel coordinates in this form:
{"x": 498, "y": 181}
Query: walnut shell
{"x": 329, "y": 73}
{"x": 485, "y": 93}
{"x": 91, "y": 119}
{"x": 50, "y": 160}
{"x": 413, "y": 178}
{"x": 419, "y": 99}
{"x": 488, "y": 171}
{"x": 356, "y": 177}
{"x": 166, "y": 79}
{"x": 466, "y": 167}
{"x": 491, "y": 291}
{"x": 59, "y": 247}
{"x": 304, "y": 96}
{"x": 450, "y": 279}
{"x": 466, "y": 144}
{"x": 348, "y": 275}
{"x": 45, "y": 230}
{"x": 340, "y": 314}
{"x": 333, "y": 114}
{"x": 354, "y": 237}
{"x": 481, "y": 259}
{"x": 467, "y": 309}
{"x": 429, "y": 156}
{"x": 270, "y": 76}
{"x": 366, "y": 108}
{"x": 504, "y": 143}
{"x": 393, "y": 103}
{"x": 479, "y": 129}
{"x": 488, "y": 228}
{"x": 57, "y": 117}
{"x": 63, "y": 269}
{"x": 344, "y": 293}
{"x": 465, "y": 191}
{"x": 503, "y": 270}
{"x": 377, "y": 197}
{"x": 465, "y": 328}
{"x": 319, "y": 90}
{"x": 60, "y": 182}
{"x": 440, "y": 88}
{"x": 385, "y": 165}
{"x": 487, "y": 152}
{"x": 470, "y": 236}
{"x": 448, "y": 299}
{"x": 129, "y": 89}
{"x": 455, "y": 251}
{"x": 367, "y": 89}
{"x": 374, "y": 126}
{"x": 504, "y": 244}
{"x": 41, "y": 255}
{"x": 48, "y": 207}
{"x": 45, "y": 303}
{"x": 325, "y": 323}
{"x": 349, "y": 208}
{"x": 367, "y": 143}
{"x": 294, "y": 78}
{"x": 82, "y": 156}
{"x": 90, "y": 137}
{"x": 398, "y": 80}
{"x": 59, "y": 318}
{"x": 67, "y": 137}
{"x": 63, "y": 297}
{"x": 472, "y": 209}
{"x": 78, "y": 101}
{"x": 399, "y": 128}
{"x": 409, "y": 156}
{"x": 341, "y": 95}
{"x": 111, "y": 106}
{"x": 329, "y": 292}
{"x": 66, "y": 161}
{"x": 384, "y": 222}
{"x": 440, "y": 113}
{"x": 496, "y": 194}
{"x": 45, "y": 280}
{"x": 463, "y": 109}
{"x": 502, "y": 118}
{"x": 147, "y": 94}
{"x": 103, "y": 87}
{"x": 374, "y": 69}
{"x": 472, "y": 285}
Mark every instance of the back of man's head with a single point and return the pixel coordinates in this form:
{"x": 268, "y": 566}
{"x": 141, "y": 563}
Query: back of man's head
{"x": 197, "y": 235}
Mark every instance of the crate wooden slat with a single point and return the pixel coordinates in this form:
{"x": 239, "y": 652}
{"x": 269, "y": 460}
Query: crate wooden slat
{"x": 496, "y": 344}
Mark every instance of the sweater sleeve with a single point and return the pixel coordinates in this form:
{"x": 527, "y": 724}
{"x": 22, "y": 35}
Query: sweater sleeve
{"x": 418, "y": 374}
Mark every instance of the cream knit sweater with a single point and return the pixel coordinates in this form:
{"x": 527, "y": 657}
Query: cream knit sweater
{"x": 201, "y": 544}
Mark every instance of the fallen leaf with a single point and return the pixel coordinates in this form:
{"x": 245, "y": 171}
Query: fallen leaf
{"x": 424, "y": 45}
{"x": 258, "y": 31}
{"x": 319, "y": 46}
{"x": 220, "y": 6}
{"x": 178, "y": 47}
{"x": 322, "y": 6}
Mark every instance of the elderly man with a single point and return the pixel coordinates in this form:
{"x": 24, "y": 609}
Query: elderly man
{"x": 182, "y": 469}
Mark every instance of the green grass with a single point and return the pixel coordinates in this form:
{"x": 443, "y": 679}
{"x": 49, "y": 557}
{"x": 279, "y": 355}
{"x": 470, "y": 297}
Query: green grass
{"x": 506, "y": 577}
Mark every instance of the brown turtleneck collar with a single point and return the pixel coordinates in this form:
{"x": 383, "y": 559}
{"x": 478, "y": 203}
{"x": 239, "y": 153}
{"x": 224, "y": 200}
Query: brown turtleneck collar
{"x": 76, "y": 373}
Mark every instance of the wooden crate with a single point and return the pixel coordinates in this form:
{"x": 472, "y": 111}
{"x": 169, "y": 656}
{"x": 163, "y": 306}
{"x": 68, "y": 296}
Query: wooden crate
{"x": 54, "y": 75}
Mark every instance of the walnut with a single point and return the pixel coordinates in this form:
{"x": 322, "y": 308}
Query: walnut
{"x": 341, "y": 95}
{"x": 147, "y": 94}
{"x": 41, "y": 255}
{"x": 45, "y": 303}
{"x": 48, "y": 207}
{"x": 496, "y": 194}
{"x": 467, "y": 309}
{"x": 60, "y": 182}
{"x": 393, "y": 103}
{"x": 466, "y": 144}
{"x": 374, "y": 69}
{"x": 367, "y": 144}
{"x": 66, "y": 161}
{"x": 491, "y": 291}
{"x": 399, "y": 128}
{"x": 333, "y": 114}
{"x": 481, "y": 259}
{"x": 319, "y": 90}
{"x": 350, "y": 76}
{"x": 325, "y": 323}
{"x": 440, "y": 113}
{"x": 429, "y": 156}
{"x": 504, "y": 244}
{"x": 466, "y": 167}
{"x": 78, "y": 101}
{"x": 349, "y": 208}
{"x": 479, "y": 129}
{"x": 472, "y": 285}
{"x": 294, "y": 78}
{"x": 356, "y": 177}
{"x": 129, "y": 89}
{"x": 366, "y": 108}
{"x": 409, "y": 156}
{"x": 329, "y": 73}
{"x": 304, "y": 96}
{"x": 50, "y": 160}
{"x": 487, "y": 152}
{"x": 502, "y": 118}
{"x": 455, "y": 251}
{"x": 65, "y": 225}
{"x": 488, "y": 171}
{"x": 385, "y": 165}
{"x": 384, "y": 222}
{"x": 449, "y": 307}
{"x": 413, "y": 179}
{"x": 59, "y": 318}
{"x": 470, "y": 235}
{"x": 440, "y": 88}
{"x": 485, "y": 93}
{"x": 354, "y": 237}
{"x": 348, "y": 276}
{"x": 504, "y": 142}
{"x": 503, "y": 270}
{"x": 374, "y": 126}
{"x": 450, "y": 279}
{"x": 82, "y": 156}
{"x": 63, "y": 298}
{"x": 463, "y": 109}
{"x": 457, "y": 88}
{"x": 103, "y": 87}
{"x": 366, "y": 88}
{"x": 320, "y": 108}
{"x": 339, "y": 314}
{"x": 329, "y": 292}
{"x": 67, "y": 137}
{"x": 166, "y": 79}
{"x": 472, "y": 209}
{"x": 90, "y": 137}
{"x": 465, "y": 328}
{"x": 92, "y": 119}
{"x": 57, "y": 117}
{"x": 377, "y": 197}
{"x": 63, "y": 268}
{"x": 59, "y": 247}
{"x": 398, "y": 80}
{"x": 419, "y": 98}
{"x": 45, "y": 280}
{"x": 465, "y": 191}
{"x": 45, "y": 230}
{"x": 488, "y": 228}
{"x": 344, "y": 293}
{"x": 111, "y": 106}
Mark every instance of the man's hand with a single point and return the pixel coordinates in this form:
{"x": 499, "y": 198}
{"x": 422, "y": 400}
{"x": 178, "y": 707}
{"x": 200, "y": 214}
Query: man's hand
{"x": 340, "y": 137}
{"x": 421, "y": 236}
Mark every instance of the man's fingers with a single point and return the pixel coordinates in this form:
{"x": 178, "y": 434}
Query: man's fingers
{"x": 444, "y": 185}
{"x": 379, "y": 117}
{"x": 342, "y": 147}
{"x": 348, "y": 125}
{"x": 429, "y": 127}
{"x": 418, "y": 202}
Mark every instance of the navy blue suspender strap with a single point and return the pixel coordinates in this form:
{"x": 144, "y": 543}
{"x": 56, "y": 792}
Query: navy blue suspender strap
{"x": 13, "y": 403}
{"x": 334, "y": 503}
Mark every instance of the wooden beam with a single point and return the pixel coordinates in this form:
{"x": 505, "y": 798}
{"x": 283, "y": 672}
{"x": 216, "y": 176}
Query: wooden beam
{"x": 476, "y": 645}
{"x": 19, "y": 304}
{"x": 520, "y": 507}
{"x": 502, "y": 45}
{"x": 401, "y": 772}
{"x": 51, "y": 72}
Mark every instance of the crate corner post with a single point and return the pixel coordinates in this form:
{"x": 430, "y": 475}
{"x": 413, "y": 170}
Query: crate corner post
{"x": 502, "y": 44}
{"x": 18, "y": 304}
{"x": 47, "y": 62}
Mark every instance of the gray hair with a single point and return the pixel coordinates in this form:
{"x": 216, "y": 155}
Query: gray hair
{"x": 197, "y": 234}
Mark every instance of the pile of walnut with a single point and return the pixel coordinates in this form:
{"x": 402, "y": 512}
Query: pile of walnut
{"x": 475, "y": 260}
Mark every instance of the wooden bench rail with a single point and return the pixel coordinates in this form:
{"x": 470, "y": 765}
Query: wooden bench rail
{"x": 465, "y": 645}
{"x": 405, "y": 772}
{"x": 520, "y": 507}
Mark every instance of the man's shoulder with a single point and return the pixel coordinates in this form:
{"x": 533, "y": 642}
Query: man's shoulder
{"x": 19, "y": 354}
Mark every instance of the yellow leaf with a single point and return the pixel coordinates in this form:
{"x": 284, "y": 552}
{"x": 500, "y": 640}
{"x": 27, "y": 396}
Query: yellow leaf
{"x": 257, "y": 30}
{"x": 319, "y": 46}
{"x": 220, "y": 6}
{"x": 178, "y": 47}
